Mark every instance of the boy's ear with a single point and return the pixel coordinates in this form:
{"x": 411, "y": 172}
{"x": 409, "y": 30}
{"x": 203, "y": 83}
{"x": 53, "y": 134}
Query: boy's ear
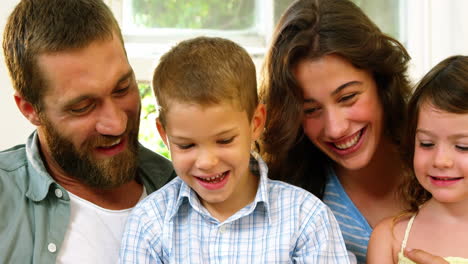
{"x": 27, "y": 109}
{"x": 258, "y": 121}
{"x": 162, "y": 132}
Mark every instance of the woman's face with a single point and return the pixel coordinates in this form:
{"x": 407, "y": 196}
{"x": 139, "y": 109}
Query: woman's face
{"x": 343, "y": 115}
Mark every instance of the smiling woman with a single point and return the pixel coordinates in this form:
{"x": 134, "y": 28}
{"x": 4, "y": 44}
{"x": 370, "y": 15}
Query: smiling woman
{"x": 335, "y": 87}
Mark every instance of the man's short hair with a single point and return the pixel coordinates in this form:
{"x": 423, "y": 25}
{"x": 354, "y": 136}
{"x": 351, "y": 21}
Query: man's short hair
{"x": 37, "y": 27}
{"x": 206, "y": 71}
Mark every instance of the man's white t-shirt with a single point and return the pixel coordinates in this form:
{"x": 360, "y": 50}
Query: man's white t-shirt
{"x": 94, "y": 233}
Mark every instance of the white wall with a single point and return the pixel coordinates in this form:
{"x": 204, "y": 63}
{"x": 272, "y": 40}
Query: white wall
{"x": 434, "y": 30}
{"x": 14, "y": 127}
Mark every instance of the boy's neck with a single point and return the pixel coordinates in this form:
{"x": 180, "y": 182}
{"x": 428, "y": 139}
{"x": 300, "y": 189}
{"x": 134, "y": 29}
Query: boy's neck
{"x": 243, "y": 195}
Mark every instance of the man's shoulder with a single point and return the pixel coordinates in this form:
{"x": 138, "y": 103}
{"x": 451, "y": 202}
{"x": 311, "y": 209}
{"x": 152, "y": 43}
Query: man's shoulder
{"x": 13, "y": 158}
{"x": 155, "y": 169}
{"x": 153, "y": 160}
{"x": 13, "y": 178}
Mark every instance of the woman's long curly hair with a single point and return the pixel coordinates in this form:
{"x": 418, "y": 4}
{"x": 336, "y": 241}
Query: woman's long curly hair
{"x": 310, "y": 29}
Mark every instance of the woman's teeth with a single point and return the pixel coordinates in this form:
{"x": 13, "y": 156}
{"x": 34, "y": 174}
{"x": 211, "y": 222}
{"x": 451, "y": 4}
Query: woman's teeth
{"x": 349, "y": 143}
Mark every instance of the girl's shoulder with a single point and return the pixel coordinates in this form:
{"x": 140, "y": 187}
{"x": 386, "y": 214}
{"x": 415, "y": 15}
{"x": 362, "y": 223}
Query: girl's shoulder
{"x": 387, "y": 237}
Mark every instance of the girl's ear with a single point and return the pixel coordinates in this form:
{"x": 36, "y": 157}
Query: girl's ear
{"x": 162, "y": 132}
{"x": 27, "y": 109}
{"x": 258, "y": 121}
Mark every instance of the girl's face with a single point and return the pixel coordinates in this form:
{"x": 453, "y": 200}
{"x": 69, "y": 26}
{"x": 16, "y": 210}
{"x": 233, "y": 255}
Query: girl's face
{"x": 441, "y": 153}
{"x": 343, "y": 114}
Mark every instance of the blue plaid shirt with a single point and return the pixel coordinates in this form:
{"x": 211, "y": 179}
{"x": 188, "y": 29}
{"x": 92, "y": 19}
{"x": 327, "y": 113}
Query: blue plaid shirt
{"x": 284, "y": 224}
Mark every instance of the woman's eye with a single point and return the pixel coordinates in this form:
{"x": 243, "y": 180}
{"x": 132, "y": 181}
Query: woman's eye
{"x": 347, "y": 97}
{"x": 226, "y": 141}
{"x": 311, "y": 111}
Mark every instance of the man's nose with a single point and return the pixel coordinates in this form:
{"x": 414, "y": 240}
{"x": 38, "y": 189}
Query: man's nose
{"x": 112, "y": 119}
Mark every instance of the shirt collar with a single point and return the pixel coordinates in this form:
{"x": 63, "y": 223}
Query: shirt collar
{"x": 39, "y": 178}
{"x": 258, "y": 167}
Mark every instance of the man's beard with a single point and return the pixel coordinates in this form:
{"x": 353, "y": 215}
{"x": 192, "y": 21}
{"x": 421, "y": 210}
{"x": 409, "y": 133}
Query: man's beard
{"x": 80, "y": 163}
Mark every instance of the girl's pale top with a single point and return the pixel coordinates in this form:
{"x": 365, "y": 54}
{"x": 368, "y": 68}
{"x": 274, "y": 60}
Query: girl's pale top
{"x": 404, "y": 260}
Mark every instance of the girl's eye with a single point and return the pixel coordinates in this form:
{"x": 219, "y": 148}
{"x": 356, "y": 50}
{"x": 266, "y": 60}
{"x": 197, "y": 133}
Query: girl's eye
{"x": 462, "y": 148}
{"x": 347, "y": 97}
{"x": 426, "y": 144}
{"x": 185, "y": 146}
{"x": 226, "y": 141}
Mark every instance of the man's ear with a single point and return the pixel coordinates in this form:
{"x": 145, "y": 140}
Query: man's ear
{"x": 162, "y": 132}
{"x": 27, "y": 109}
{"x": 258, "y": 121}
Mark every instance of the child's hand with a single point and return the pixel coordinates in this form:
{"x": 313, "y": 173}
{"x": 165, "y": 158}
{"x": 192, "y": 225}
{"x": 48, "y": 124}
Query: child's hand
{"x": 422, "y": 257}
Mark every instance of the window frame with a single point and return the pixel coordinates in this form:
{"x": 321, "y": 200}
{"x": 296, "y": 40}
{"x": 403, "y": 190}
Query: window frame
{"x": 145, "y": 46}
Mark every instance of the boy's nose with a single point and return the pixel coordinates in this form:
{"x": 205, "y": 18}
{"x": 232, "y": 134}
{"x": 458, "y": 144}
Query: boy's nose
{"x": 206, "y": 160}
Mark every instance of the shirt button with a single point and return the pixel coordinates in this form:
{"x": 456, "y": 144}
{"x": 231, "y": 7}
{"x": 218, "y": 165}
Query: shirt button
{"x": 52, "y": 247}
{"x": 58, "y": 193}
{"x": 222, "y": 229}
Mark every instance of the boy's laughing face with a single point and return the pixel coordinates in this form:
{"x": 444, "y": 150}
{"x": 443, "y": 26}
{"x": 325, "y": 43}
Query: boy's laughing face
{"x": 210, "y": 149}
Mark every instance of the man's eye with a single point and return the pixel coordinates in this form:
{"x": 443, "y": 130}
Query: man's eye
{"x": 122, "y": 91}
{"x": 226, "y": 141}
{"x": 81, "y": 110}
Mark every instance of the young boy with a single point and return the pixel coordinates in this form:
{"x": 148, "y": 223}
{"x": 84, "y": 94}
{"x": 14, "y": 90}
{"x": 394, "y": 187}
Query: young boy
{"x": 222, "y": 208}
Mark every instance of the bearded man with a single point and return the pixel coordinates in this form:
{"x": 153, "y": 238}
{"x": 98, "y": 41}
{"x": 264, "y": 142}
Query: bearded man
{"x": 66, "y": 194}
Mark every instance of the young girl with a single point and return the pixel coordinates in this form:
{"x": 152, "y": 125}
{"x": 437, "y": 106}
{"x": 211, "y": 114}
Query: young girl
{"x": 437, "y": 151}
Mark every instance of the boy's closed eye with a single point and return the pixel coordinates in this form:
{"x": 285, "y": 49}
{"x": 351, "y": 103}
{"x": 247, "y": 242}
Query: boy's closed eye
{"x": 184, "y": 146}
{"x": 226, "y": 141}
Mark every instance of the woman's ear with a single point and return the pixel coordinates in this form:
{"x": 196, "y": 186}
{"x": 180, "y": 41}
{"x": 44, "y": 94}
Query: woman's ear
{"x": 27, "y": 109}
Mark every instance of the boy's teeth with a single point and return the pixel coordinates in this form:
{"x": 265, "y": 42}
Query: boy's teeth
{"x": 351, "y": 142}
{"x": 217, "y": 177}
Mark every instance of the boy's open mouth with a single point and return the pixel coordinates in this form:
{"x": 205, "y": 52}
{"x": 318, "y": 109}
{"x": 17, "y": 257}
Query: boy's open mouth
{"x": 214, "y": 179}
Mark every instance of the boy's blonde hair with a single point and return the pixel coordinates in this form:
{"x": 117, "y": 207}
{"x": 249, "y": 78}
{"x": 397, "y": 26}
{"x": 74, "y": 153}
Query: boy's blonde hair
{"x": 205, "y": 71}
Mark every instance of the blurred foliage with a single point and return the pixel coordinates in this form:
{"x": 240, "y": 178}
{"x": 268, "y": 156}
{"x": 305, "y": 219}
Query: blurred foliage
{"x": 195, "y": 14}
{"x": 149, "y": 135}
{"x": 239, "y": 14}
{"x": 389, "y": 21}
{"x": 222, "y": 15}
